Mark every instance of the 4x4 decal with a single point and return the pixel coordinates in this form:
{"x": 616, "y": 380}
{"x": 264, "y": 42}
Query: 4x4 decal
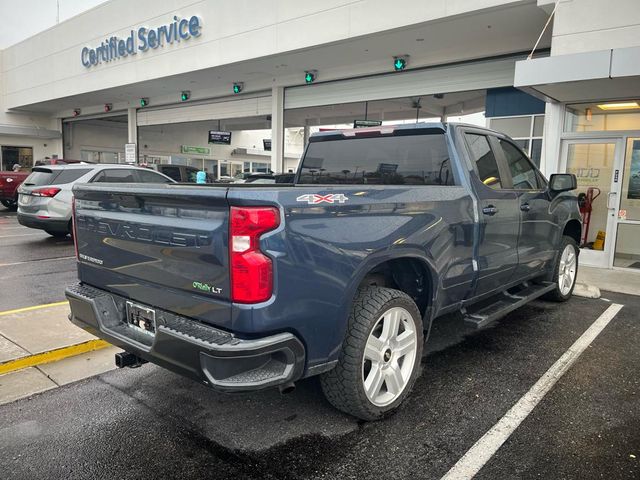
{"x": 315, "y": 198}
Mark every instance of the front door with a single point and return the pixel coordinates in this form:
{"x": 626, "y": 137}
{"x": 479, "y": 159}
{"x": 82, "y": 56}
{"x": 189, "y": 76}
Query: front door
{"x": 539, "y": 234}
{"x": 597, "y": 163}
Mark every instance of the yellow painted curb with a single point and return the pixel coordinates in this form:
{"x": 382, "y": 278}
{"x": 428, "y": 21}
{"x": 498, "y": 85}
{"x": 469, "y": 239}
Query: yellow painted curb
{"x": 35, "y": 307}
{"x": 52, "y": 355}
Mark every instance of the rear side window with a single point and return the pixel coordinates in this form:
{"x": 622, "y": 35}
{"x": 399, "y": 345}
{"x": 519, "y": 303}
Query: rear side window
{"x": 70, "y": 175}
{"x": 115, "y": 176}
{"x": 421, "y": 159}
{"x": 484, "y": 159}
{"x": 172, "y": 172}
{"x": 41, "y": 176}
{"x": 523, "y": 174}
{"x": 147, "y": 176}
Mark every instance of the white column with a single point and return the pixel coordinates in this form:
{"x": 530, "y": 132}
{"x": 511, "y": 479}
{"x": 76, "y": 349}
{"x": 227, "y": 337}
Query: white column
{"x": 550, "y": 159}
{"x": 277, "y": 129}
{"x": 132, "y": 122}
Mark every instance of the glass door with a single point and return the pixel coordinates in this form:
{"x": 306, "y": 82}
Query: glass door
{"x": 627, "y": 250}
{"x": 597, "y": 163}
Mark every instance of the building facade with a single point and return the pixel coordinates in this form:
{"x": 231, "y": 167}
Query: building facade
{"x": 239, "y": 86}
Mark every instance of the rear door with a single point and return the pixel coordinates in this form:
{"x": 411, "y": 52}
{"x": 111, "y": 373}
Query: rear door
{"x": 538, "y": 239}
{"x": 499, "y": 214}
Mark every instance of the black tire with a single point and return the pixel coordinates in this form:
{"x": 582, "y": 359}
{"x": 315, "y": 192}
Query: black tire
{"x": 57, "y": 234}
{"x": 557, "y": 295}
{"x": 11, "y": 205}
{"x": 344, "y": 385}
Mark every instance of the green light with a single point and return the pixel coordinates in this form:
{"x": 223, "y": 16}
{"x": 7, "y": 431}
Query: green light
{"x": 186, "y": 95}
{"x": 144, "y": 102}
{"x": 308, "y": 78}
{"x": 237, "y": 87}
{"x": 399, "y": 64}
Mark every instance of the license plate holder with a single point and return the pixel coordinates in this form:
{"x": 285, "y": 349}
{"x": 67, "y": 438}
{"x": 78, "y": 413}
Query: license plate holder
{"x": 141, "y": 318}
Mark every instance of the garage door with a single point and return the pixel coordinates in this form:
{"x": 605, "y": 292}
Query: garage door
{"x": 445, "y": 79}
{"x": 238, "y": 108}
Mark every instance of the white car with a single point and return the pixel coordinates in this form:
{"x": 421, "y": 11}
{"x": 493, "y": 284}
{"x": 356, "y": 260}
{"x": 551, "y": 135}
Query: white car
{"x": 45, "y": 197}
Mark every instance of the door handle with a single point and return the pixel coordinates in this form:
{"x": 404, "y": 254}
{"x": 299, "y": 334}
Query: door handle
{"x": 525, "y": 207}
{"x": 611, "y": 200}
{"x": 490, "y": 210}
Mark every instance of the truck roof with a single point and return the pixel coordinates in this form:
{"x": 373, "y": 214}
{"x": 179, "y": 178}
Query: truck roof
{"x": 405, "y": 128}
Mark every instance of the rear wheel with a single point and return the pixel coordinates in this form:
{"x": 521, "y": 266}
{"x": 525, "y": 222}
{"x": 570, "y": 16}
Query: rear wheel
{"x": 380, "y": 357}
{"x": 565, "y": 271}
{"x": 10, "y": 204}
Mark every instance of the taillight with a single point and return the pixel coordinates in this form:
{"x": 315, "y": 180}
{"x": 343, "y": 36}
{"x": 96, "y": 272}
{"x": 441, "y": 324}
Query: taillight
{"x": 251, "y": 270}
{"x": 45, "y": 192}
{"x": 74, "y": 229}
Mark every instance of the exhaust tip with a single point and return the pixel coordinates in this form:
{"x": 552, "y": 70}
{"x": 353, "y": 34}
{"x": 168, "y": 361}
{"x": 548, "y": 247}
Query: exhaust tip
{"x": 287, "y": 388}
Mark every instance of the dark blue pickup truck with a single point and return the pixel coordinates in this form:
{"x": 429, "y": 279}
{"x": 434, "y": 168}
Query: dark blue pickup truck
{"x": 339, "y": 274}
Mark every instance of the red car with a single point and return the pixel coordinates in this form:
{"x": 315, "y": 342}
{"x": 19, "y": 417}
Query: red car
{"x": 10, "y": 181}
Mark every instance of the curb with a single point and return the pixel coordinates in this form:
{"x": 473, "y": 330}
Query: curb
{"x": 52, "y": 355}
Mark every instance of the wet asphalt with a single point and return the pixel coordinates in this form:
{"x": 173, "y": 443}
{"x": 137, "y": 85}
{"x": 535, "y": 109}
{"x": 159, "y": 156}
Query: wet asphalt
{"x": 34, "y": 267}
{"x": 149, "y": 423}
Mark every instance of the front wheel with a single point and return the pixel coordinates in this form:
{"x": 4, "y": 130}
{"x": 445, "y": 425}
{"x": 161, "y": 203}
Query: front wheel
{"x": 380, "y": 357}
{"x": 565, "y": 271}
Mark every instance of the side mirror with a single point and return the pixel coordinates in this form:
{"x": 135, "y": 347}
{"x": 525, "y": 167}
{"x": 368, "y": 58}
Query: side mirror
{"x": 562, "y": 182}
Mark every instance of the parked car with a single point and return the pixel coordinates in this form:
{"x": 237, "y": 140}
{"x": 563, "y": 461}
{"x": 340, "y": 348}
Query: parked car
{"x": 45, "y": 197}
{"x": 11, "y": 180}
{"x": 9, "y": 183}
{"x": 339, "y": 275}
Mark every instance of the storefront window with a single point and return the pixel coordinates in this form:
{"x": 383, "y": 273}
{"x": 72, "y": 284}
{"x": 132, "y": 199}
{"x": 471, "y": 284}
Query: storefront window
{"x": 603, "y": 116}
{"x": 526, "y": 131}
{"x": 9, "y": 156}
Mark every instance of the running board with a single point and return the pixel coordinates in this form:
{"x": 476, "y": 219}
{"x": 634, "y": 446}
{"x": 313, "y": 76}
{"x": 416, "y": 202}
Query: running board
{"x": 506, "y": 303}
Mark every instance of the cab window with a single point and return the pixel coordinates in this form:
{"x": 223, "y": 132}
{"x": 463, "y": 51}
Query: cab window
{"x": 485, "y": 160}
{"x": 522, "y": 172}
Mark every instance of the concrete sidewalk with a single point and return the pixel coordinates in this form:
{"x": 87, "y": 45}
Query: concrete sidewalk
{"x": 40, "y": 349}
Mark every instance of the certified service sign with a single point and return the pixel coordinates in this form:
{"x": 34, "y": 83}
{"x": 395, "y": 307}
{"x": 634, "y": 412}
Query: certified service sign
{"x": 141, "y": 40}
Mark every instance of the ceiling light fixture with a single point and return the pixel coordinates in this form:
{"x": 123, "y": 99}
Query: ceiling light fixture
{"x": 619, "y": 106}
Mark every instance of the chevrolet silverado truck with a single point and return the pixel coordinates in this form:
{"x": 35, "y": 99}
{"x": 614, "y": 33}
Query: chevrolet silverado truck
{"x": 339, "y": 274}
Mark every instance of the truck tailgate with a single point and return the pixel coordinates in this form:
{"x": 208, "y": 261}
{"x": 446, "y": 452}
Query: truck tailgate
{"x": 161, "y": 245}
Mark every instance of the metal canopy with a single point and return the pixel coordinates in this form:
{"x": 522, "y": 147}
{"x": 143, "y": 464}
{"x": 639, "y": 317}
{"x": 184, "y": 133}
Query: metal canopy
{"x": 603, "y": 75}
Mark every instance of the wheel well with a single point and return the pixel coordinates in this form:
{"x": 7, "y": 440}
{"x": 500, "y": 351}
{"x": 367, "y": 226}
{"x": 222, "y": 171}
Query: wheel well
{"x": 573, "y": 229}
{"x": 409, "y": 275}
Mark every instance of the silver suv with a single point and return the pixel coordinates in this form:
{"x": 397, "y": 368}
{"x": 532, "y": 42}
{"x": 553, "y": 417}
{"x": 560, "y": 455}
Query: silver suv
{"x": 45, "y": 197}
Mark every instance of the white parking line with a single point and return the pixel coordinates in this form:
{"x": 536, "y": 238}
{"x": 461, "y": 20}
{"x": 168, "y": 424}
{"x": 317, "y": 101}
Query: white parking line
{"x": 482, "y": 451}
{"x": 21, "y": 235}
{"x": 36, "y": 260}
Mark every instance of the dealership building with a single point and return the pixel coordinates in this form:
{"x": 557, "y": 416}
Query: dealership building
{"x": 236, "y": 87}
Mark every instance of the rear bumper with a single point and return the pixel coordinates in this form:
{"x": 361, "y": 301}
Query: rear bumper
{"x": 190, "y": 348}
{"x": 50, "y": 224}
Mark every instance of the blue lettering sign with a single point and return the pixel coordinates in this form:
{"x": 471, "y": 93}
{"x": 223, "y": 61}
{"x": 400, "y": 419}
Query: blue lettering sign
{"x": 142, "y": 40}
